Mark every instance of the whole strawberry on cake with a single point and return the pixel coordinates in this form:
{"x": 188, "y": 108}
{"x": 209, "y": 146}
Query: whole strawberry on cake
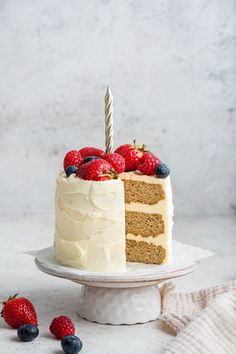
{"x": 112, "y": 208}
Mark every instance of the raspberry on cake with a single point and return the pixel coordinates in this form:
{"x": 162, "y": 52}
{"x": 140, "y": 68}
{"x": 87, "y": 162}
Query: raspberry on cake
{"x": 148, "y": 164}
{"x": 72, "y": 158}
{"x": 91, "y": 151}
{"x": 117, "y": 161}
{"x": 96, "y": 170}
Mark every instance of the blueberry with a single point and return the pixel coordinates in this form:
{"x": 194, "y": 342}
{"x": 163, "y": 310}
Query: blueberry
{"x": 162, "y": 170}
{"x": 27, "y": 332}
{"x": 90, "y": 158}
{"x": 71, "y": 344}
{"x": 70, "y": 170}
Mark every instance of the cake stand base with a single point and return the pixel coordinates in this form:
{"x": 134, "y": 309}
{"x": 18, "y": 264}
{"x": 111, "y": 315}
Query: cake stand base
{"x": 119, "y": 298}
{"x": 119, "y": 305}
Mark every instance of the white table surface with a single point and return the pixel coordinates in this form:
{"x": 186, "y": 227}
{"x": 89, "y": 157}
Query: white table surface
{"x": 53, "y": 296}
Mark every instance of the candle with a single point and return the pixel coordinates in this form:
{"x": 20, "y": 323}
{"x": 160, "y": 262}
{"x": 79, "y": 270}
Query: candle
{"x": 109, "y": 121}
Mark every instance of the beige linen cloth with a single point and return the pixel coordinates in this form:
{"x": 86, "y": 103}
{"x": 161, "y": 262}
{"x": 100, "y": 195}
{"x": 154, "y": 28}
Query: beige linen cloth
{"x": 204, "y": 321}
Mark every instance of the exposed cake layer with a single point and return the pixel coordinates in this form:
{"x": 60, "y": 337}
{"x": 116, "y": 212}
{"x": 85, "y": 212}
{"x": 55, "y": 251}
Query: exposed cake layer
{"x": 143, "y": 252}
{"x": 90, "y": 224}
{"x": 145, "y": 224}
{"x": 137, "y": 191}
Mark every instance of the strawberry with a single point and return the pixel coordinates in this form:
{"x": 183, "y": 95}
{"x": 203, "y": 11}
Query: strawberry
{"x": 72, "y": 158}
{"x": 117, "y": 161}
{"x": 91, "y": 151}
{"x": 96, "y": 170}
{"x": 19, "y": 311}
{"x": 132, "y": 155}
{"x": 148, "y": 164}
{"x": 62, "y": 326}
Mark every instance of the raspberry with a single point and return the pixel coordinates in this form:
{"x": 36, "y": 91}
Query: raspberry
{"x": 91, "y": 151}
{"x": 148, "y": 164}
{"x": 117, "y": 161}
{"x": 62, "y": 326}
{"x": 72, "y": 158}
{"x": 96, "y": 170}
{"x": 132, "y": 155}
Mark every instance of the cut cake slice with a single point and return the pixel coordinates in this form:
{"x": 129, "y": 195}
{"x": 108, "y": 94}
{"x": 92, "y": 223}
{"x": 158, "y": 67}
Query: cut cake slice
{"x": 148, "y": 218}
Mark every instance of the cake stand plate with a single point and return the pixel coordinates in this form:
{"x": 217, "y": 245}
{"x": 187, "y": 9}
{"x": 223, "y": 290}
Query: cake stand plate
{"x": 118, "y": 298}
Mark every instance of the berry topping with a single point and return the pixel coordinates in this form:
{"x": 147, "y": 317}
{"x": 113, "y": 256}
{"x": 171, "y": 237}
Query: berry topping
{"x": 132, "y": 155}
{"x": 96, "y": 170}
{"x": 62, "y": 326}
{"x": 90, "y": 158}
{"x": 71, "y": 344}
{"x": 70, "y": 170}
{"x": 27, "y": 332}
{"x": 19, "y": 311}
{"x": 117, "y": 161}
{"x": 162, "y": 170}
{"x": 72, "y": 158}
{"x": 91, "y": 151}
{"x": 148, "y": 164}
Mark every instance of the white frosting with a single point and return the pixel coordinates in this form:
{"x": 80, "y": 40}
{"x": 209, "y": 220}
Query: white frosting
{"x": 163, "y": 207}
{"x": 90, "y": 224}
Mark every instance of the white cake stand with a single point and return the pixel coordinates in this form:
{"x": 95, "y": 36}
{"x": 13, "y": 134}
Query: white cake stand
{"x": 118, "y": 298}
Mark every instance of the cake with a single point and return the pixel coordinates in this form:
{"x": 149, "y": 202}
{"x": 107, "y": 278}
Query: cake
{"x": 112, "y": 208}
{"x": 148, "y": 215}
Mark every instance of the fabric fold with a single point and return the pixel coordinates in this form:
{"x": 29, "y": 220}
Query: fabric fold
{"x": 204, "y": 320}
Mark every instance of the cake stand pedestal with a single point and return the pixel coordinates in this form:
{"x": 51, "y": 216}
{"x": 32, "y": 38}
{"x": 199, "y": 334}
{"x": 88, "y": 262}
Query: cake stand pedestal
{"x": 117, "y": 298}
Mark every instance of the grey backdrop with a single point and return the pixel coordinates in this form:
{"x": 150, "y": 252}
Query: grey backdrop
{"x": 172, "y": 69}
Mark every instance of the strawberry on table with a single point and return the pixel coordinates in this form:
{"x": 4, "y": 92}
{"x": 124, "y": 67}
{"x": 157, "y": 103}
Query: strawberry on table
{"x": 132, "y": 155}
{"x": 19, "y": 311}
{"x": 148, "y": 164}
{"x": 117, "y": 161}
{"x": 96, "y": 170}
{"x": 62, "y": 326}
{"x": 91, "y": 151}
{"x": 72, "y": 158}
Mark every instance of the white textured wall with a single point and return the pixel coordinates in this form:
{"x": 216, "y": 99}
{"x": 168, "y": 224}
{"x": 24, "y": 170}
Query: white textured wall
{"x": 171, "y": 67}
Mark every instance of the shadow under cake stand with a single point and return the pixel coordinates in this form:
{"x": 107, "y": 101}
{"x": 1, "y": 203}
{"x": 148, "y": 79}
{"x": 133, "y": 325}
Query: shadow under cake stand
{"x": 117, "y": 298}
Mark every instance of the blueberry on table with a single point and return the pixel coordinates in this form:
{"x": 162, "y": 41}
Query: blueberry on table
{"x": 70, "y": 170}
{"x": 71, "y": 344}
{"x": 27, "y": 332}
{"x": 162, "y": 170}
{"x": 90, "y": 158}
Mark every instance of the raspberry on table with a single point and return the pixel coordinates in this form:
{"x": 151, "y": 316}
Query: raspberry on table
{"x": 62, "y": 326}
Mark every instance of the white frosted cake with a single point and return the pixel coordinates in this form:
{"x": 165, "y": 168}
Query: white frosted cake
{"x": 90, "y": 224}
{"x": 112, "y": 208}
